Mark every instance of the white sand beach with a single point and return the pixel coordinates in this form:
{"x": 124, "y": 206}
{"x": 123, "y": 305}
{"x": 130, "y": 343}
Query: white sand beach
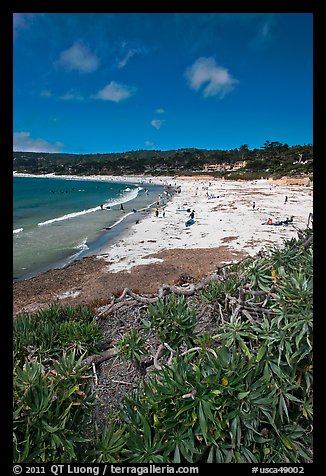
{"x": 159, "y": 250}
{"x": 224, "y": 214}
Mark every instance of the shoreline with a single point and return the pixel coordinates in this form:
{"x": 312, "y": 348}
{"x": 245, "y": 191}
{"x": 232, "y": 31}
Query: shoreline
{"x": 158, "y": 250}
{"x": 103, "y": 237}
{"x": 224, "y": 213}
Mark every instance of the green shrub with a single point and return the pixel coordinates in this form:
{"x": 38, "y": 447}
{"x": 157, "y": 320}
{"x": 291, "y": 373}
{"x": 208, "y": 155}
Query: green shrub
{"x": 52, "y": 330}
{"x": 218, "y": 290}
{"x": 245, "y": 393}
{"x": 238, "y": 393}
{"x": 131, "y": 346}
{"x": 172, "y": 320}
{"x": 51, "y": 410}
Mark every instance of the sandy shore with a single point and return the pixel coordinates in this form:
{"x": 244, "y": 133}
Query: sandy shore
{"x": 158, "y": 249}
{"x": 224, "y": 214}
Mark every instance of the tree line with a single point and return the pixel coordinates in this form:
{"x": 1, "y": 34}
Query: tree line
{"x": 273, "y": 158}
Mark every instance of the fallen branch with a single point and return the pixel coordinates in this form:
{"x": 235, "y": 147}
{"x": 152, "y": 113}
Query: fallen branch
{"x": 157, "y": 356}
{"x": 308, "y": 241}
{"x": 97, "y": 359}
{"x": 172, "y": 352}
{"x": 191, "y": 394}
{"x": 123, "y": 382}
{"x": 259, "y": 309}
{"x": 95, "y": 375}
{"x": 193, "y": 349}
{"x": 116, "y": 304}
{"x": 164, "y": 290}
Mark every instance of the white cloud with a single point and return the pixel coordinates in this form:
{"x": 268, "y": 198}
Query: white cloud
{"x": 157, "y": 123}
{"x": 23, "y": 142}
{"x": 263, "y": 36}
{"x": 213, "y": 79}
{"x": 130, "y": 53}
{"x": 24, "y": 20}
{"x": 79, "y": 58}
{"x": 115, "y": 92}
{"x": 149, "y": 143}
{"x": 72, "y": 96}
{"x": 160, "y": 110}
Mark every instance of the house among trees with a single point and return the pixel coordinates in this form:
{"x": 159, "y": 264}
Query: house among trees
{"x": 224, "y": 166}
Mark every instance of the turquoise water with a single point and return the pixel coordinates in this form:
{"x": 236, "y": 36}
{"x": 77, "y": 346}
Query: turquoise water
{"x": 56, "y": 220}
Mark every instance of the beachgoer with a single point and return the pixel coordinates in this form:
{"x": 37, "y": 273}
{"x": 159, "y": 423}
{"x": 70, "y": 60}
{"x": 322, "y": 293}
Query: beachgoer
{"x": 286, "y": 199}
{"x": 121, "y": 207}
{"x": 192, "y": 215}
{"x": 270, "y": 221}
{"x": 101, "y": 206}
{"x": 156, "y": 212}
{"x": 253, "y": 205}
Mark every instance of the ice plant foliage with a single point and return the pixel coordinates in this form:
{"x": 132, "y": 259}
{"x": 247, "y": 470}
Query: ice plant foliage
{"x": 241, "y": 392}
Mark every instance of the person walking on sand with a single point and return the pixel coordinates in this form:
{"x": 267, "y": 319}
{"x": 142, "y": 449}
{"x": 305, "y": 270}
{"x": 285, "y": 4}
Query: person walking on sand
{"x": 286, "y": 199}
{"x": 121, "y": 207}
{"x": 192, "y": 215}
{"x": 253, "y": 205}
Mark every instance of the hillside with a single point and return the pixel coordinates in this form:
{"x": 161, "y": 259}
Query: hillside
{"x": 272, "y": 159}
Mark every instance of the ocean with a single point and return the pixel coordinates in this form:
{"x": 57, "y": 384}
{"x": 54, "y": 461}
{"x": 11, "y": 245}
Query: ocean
{"x": 57, "y": 220}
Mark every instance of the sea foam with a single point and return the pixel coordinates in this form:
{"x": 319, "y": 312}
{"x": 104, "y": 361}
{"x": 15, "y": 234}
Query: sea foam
{"x": 128, "y": 195}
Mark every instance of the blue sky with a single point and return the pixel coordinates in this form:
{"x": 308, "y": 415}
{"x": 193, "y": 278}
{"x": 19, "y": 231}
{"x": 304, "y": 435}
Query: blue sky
{"x": 114, "y": 82}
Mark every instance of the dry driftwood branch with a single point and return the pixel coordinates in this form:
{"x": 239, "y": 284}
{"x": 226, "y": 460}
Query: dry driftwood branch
{"x": 157, "y": 356}
{"x": 258, "y": 309}
{"x": 221, "y": 313}
{"x": 97, "y": 359}
{"x": 123, "y": 382}
{"x": 116, "y": 304}
{"x": 169, "y": 348}
{"x": 247, "y": 314}
{"x": 193, "y": 349}
{"x": 95, "y": 375}
{"x": 164, "y": 290}
{"x": 191, "y": 394}
{"x": 308, "y": 241}
{"x": 104, "y": 311}
{"x": 172, "y": 352}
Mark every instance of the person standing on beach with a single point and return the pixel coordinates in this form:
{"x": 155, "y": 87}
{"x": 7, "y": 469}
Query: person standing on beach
{"x": 253, "y": 205}
{"x": 192, "y": 215}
